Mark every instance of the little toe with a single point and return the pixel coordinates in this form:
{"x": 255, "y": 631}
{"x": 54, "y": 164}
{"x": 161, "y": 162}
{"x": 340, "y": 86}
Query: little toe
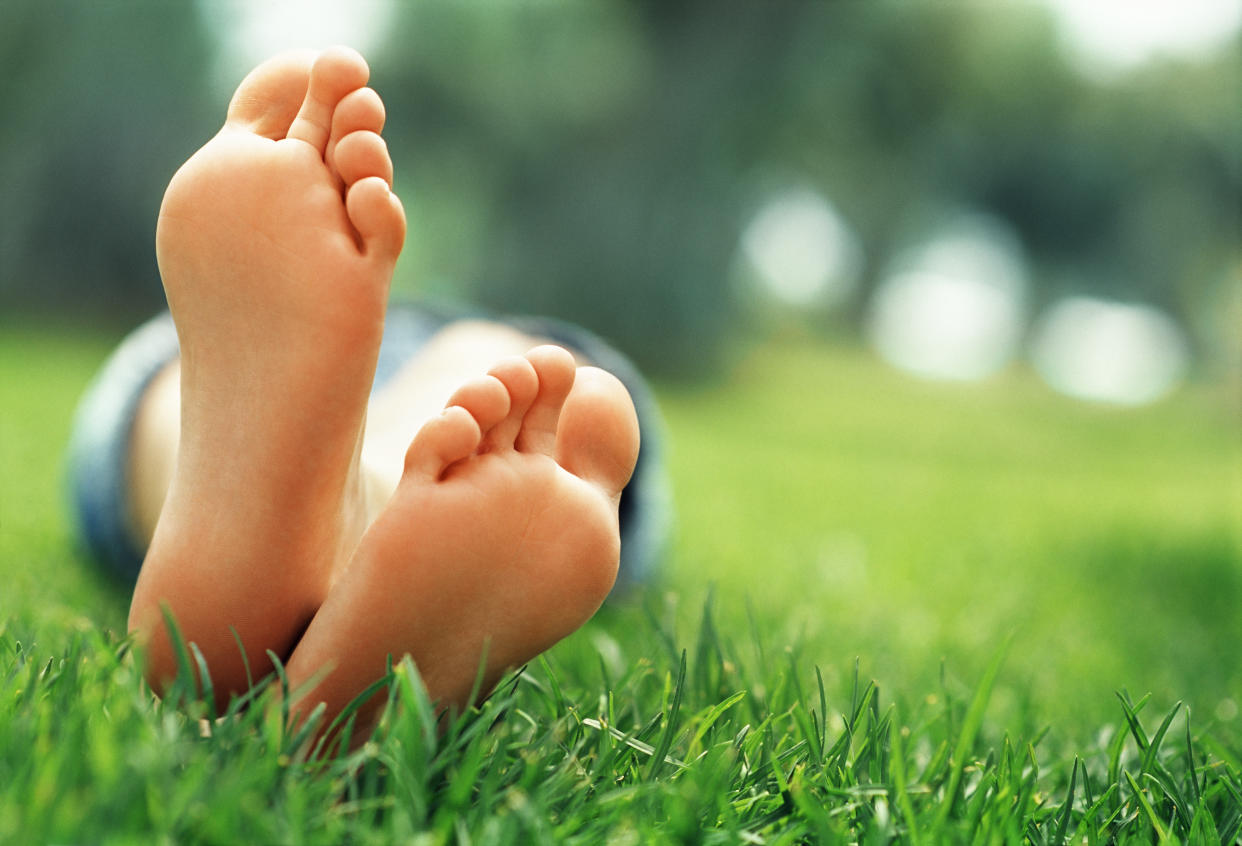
{"x": 598, "y": 437}
{"x": 441, "y": 441}
{"x": 357, "y": 110}
{"x": 377, "y": 215}
{"x": 267, "y": 100}
{"x": 555, "y": 368}
{"x": 522, "y": 384}
{"x": 335, "y": 73}
{"x": 361, "y": 154}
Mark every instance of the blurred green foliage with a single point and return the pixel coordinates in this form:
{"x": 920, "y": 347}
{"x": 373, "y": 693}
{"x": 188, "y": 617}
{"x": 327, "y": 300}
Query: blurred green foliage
{"x": 598, "y": 161}
{"x": 100, "y": 101}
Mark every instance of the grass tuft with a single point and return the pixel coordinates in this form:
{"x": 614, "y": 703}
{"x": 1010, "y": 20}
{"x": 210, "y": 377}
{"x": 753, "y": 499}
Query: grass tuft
{"x": 735, "y": 715}
{"x": 87, "y": 751}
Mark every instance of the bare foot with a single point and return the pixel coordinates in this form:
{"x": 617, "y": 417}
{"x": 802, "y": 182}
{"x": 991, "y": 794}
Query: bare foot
{"x": 276, "y": 243}
{"x": 501, "y": 537}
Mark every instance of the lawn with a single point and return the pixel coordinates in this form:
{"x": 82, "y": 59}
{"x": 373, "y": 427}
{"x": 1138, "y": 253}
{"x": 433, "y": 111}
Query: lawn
{"x": 894, "y": 610}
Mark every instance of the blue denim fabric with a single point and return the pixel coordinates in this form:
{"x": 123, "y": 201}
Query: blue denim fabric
{"x": 99, "y": 446}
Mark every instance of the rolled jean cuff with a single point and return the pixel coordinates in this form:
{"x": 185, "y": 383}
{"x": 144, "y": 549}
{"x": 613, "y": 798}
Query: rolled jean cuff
{"x": 98, "y": 456}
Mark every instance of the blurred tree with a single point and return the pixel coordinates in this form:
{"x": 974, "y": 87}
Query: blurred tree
{"x": 102, "y": 101}
{"x": 614, "y": 136}
{"x": 1128, "y": 190}
{"x": 598, "y": 161}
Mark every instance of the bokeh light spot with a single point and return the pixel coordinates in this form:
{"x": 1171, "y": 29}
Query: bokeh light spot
{"x": 253, "y": 30}
{"x": 953, "y": 306}
{"x": 1108, "y": 37}
{"x": 802, "y": 250}
{"x": 1108, "y": 351}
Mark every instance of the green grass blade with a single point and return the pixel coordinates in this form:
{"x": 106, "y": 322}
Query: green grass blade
{"x": 1131, "y": 712}
{"x": 185, "y": 671}
{"x": 358, "y": 701}
{"x": 712, "y": 715}
{"x": 970, "y": 730}
{"x": 1153, "y": 749}
{"x": 1091, "y": 814}
{"x": 897, "y": 767}
{"x": 823, "y": 708}
{"x": 1063, "y": 823}
{"x": 1161, "y": 833}
{"x": 284, "y": 688}
{"x": 1203, "y": 827}
{"x": 244, "y": 657}
{"x": 670, "y": 726}
{"x": 204, "y": 674}
{"x": 1192, "y": 775}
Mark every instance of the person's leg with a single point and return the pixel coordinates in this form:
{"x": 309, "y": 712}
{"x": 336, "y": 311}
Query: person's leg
{"x": 533, "y": 530}
{"x": 152, "y": 456}
{"x": 501, "y": 538}
{"x": 107, "y": 481}
{"x": 430, "y": 350}
{"x": 596, "y": 435}
{"x": 427, "y": 363}
{"x": 276, "y": 242}
{"x": 126, "y": 441}
{"x": 240, "y": 461}
{"x": 419, "y": 390}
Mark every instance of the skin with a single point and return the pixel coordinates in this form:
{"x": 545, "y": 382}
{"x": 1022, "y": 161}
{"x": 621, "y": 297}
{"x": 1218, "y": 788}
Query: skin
{"x": 495, "y": 532}
{"x": 500, "y": 539}
{"x": 276, "y": 243}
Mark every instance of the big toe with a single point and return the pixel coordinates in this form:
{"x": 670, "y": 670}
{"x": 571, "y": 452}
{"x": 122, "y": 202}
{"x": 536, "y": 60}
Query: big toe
{"x": 598, "y": 438}
{"x": 268, "y": 99}
{"x": 335, "y": 73}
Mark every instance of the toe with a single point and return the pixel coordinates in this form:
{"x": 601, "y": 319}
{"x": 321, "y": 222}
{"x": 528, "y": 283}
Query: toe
{"x": 361, "y": 154}
{"x": 357, "y": 110}
{"x": 522, "y": 384}
{"x": 452, "y": 436}
{"x": 268, "y": 98}
{"x": 555, "y": 368}
{"x": 598, "y": 436}
{"x": 377, "y": 215}
{"x": 486, "y": 398}
{"x": 335, "y": 73}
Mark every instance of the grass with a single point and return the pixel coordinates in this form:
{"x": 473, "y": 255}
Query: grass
{"x": 896, "y": 612}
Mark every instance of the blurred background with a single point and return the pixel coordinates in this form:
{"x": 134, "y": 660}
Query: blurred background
{"x": 956, "y": 185}
{"x": 942, "y": 300}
